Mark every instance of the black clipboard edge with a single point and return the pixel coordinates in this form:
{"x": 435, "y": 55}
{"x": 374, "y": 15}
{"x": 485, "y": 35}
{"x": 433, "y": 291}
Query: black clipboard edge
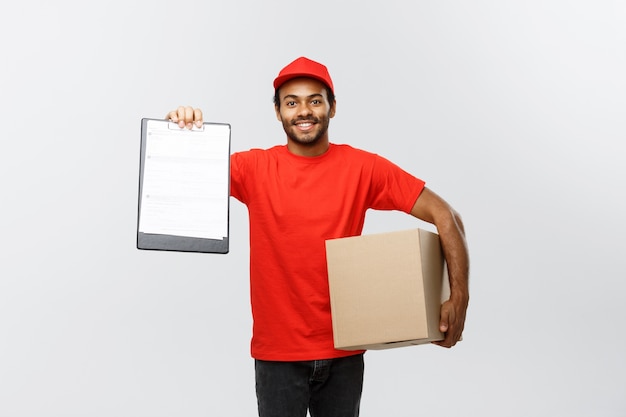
{"x": 149, "y": 241}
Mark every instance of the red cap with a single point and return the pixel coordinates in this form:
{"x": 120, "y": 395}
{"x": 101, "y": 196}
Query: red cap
{"x": 304, "y": 67}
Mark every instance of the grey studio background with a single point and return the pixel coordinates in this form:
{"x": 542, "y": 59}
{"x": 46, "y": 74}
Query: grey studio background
{"x": 513, "y": 111}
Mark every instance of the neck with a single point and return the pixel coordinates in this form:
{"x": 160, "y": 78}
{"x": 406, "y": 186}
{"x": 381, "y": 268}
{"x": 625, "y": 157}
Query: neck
{"x": 310, "y": 149}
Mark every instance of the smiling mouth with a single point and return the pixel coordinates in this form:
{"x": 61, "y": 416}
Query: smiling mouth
{"x": 304, "y": 125}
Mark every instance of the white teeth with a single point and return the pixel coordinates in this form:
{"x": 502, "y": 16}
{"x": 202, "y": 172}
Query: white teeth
{"x": 304, "y": 124}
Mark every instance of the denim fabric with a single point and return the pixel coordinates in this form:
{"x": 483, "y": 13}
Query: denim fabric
{"x": 326, "y": 388}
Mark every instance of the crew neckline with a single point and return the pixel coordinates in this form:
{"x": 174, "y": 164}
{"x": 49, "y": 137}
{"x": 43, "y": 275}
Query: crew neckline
{"x": 309, "y": 159}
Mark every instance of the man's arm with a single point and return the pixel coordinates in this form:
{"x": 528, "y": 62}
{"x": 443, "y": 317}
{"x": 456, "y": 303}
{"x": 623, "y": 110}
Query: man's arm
{"x": 433, "y": 209}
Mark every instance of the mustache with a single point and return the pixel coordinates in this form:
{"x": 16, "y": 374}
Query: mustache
{"x": 305, "y": 119}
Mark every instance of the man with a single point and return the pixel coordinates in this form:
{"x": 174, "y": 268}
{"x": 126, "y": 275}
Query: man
{"x": 298, "y": 196}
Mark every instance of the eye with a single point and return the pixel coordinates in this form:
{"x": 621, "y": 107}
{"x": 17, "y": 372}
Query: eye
{"x": 290, "y": 103}
{"x": 316, "y": 102}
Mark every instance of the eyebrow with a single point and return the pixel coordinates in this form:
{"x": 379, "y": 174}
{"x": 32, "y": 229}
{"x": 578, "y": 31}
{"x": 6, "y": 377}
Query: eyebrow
{"x": 293, "y": 96}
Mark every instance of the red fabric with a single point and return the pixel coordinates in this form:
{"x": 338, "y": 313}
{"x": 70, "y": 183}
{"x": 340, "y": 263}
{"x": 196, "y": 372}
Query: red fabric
{"x": 296, "y": 203}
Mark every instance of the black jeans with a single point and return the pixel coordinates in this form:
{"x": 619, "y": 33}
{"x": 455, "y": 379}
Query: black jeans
{"x": 326, "y": 388}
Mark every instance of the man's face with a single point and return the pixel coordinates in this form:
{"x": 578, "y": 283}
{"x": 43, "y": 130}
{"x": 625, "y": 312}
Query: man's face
{"x": 305, "y": 111}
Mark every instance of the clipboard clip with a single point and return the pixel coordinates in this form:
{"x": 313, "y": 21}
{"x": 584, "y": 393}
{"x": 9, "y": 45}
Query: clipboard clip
{"x": 174, "y": 126}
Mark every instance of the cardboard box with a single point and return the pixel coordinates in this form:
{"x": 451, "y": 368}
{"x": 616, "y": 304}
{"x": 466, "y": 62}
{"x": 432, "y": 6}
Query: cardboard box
{"x": 386, "y": 289}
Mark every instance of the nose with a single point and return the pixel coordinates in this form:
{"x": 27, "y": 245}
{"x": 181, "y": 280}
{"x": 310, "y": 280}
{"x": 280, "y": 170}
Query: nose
{"x": 304, "y": 110}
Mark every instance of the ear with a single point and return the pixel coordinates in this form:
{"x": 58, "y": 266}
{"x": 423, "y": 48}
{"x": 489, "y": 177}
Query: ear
{"x": 277, "y": 110}
{"x": 333, "y": 108}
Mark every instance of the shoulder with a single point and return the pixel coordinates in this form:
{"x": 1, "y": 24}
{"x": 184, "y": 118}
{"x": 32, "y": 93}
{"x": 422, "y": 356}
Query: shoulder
{"x": 351, "y": 151}
{"x": 369, "y": 162}
{"x": 361, "y": 156}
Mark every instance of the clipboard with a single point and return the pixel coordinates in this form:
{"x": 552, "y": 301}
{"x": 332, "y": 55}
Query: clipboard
{"x": 184, "y": 187}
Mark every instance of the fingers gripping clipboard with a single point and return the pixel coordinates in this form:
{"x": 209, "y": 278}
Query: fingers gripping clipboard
{"x": 184, "y": 180}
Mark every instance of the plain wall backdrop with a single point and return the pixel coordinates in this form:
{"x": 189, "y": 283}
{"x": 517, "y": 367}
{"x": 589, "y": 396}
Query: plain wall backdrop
{"x": 512, "y": 111}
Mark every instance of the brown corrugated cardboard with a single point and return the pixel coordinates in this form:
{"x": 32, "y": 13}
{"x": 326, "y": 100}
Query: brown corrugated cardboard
{"x": 386, "y": 289}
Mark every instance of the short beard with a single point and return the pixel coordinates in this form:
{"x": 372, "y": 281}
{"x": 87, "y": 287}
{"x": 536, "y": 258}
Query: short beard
{"x": 315, "y": 139}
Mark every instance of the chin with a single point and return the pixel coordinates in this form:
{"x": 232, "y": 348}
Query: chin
{"x": 306, "y": 141}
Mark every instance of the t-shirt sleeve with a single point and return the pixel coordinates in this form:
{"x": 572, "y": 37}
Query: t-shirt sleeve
{"x": 393, "y": 188}
{"x": 237, "y": 173}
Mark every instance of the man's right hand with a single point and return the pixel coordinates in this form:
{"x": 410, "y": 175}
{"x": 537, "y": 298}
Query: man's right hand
{"x": 186, "y": 117}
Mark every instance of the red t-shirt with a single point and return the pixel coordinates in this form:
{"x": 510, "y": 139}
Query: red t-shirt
{"x": 295, "y": 204}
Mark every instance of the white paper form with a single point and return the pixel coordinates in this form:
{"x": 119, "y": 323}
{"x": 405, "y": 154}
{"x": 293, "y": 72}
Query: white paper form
{"x": 185, "y": 181}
